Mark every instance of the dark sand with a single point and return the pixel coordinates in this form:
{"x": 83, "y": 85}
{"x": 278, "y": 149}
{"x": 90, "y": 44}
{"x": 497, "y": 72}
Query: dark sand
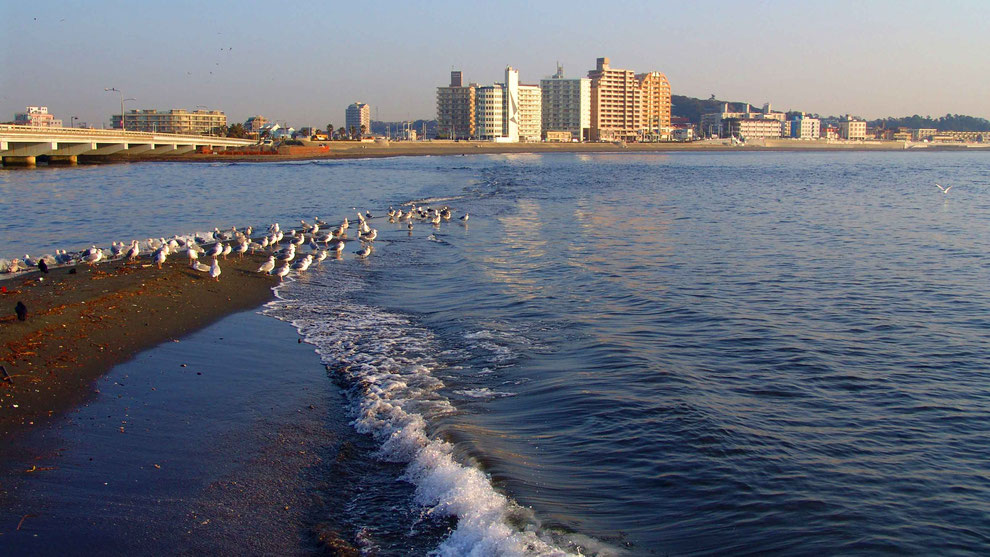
{"x": 80, "y": 325}
{"x": 228, "y": 455}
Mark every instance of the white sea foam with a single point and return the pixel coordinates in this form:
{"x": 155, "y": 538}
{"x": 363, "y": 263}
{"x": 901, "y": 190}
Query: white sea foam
{"x": 388, "y": 363}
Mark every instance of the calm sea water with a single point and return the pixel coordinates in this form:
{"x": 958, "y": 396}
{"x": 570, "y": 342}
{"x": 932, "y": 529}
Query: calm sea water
{"x": 645, "y": 354}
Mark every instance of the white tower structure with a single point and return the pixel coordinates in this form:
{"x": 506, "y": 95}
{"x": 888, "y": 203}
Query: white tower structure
{"x": 510, "y": 112}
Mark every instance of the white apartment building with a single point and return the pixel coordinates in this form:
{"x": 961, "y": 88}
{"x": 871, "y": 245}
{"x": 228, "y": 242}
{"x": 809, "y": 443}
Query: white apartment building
{"x": 488, "y": 116}
{"x": 530, "y": 112}
{"x": 566, "y": 105}
{"x": 850, "y": 128}
{"x": 357, "y": 115}
{"x": 806, "y": 128}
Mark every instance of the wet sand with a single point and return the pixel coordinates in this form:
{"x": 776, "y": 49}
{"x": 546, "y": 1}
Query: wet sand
{"x": 219, "y": 444}
{"x": 80, "y": 325}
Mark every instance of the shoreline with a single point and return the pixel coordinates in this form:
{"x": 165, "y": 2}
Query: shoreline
{"x": 343, "y": 150}
{"x": 81, "y": 325}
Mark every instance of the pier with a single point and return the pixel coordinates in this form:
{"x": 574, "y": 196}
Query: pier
{"x": 22, "y": 145}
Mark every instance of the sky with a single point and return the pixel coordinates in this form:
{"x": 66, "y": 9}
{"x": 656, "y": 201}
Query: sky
{"x": 303, "y": 62}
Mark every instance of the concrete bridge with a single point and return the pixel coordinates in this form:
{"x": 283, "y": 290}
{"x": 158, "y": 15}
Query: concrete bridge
{"x": 21, "y": 145}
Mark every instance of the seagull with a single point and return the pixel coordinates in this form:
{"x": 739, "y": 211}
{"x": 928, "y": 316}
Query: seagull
{"x": 267, "y": 266}
{"x": 134, "y": 251}
{"x": 370, "y": 236}
{"x": 944, "y": 190}
{"x": 43, "y": 266}
{"x": 226, "y": 250}
{"x": 93, "y": 257}
{"x": 303, "y": 264}
{"x": 282, "y": 271}
{"x": 215, "y": 270}
{"x": 201, "y": 267}
{"x": 364, "y": 252}
{"x": 321, "y": 255}
{"x": 161, "y": 254}
{"x": 465, "y": 217}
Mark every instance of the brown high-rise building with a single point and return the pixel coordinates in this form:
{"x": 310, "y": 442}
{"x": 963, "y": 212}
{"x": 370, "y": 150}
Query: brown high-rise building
{"x": 655, "y": 112}
{"x": 455, "y": 109}
{"x": 616, "y": 109}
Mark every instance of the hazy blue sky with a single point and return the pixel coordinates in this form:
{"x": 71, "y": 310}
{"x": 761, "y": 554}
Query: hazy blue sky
{"x": 304, "y": 62}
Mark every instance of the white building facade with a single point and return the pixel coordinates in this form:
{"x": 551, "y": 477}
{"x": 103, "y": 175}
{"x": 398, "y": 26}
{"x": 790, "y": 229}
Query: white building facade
{"x": 357, "y": 115}
{"x": 488, "y": 117}
{"x": 566, "y": 105}
{"x": 530, "y": 112}
{"x": 806, "y": 128}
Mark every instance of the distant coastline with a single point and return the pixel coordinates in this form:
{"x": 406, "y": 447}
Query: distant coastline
{"x": 358, "y": 150}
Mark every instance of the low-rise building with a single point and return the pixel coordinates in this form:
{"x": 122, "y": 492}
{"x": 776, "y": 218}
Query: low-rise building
{"x": 923, "y": 134}
{"x": 255, "y": 123}
{"x": 803, "y": 127}
{"x": 751, "y": 128}
{"x": 176, "y": 120}
{"x": 764, "y": 124}
{"x": 37, "y": 116}
{"x": 851, "y": 128}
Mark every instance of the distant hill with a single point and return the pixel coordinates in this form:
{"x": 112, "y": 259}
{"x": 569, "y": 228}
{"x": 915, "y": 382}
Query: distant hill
{"x": 953, "y": 122}
{"x": 692, "y": 108}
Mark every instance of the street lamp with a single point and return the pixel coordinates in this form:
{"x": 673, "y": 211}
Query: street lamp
{"x": 122, "y": 101}
{"x": 72, "y": 121}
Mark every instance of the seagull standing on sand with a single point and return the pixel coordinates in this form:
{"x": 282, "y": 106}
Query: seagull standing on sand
{"x": 267, "y": 266}
{"x": 944, "y": 190}
{"x": 161, "y": 254}
{"x": 282, "y": 271}
{"x": 215, "y": 270}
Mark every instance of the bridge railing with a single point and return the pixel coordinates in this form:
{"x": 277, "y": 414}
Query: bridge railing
{"x": 114, "y": 134}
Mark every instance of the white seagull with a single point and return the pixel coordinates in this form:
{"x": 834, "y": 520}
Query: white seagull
{"x": 215, "y": 270}
{"x": 267, "y": 266}
{"x": 944, "y": 190}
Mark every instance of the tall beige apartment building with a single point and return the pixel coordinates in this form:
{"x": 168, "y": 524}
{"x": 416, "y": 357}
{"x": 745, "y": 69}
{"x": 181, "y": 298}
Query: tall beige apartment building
{"x": 616, "y": 109}
{"x": 456, "y": 109}
{"x": 655, "y": 95}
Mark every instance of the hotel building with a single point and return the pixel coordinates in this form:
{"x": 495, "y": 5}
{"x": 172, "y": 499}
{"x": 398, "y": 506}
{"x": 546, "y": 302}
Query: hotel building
{"x": 655, "y": 95}
{"x": 456, "y": 109}
{"x": 175, "y": 120}
{"x": 566, "y": 106}
{"x": 357, "y": 115}
{"x": 616, "y": 109}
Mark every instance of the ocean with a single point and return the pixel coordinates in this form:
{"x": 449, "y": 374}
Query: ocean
{"x": 693, "y": 353}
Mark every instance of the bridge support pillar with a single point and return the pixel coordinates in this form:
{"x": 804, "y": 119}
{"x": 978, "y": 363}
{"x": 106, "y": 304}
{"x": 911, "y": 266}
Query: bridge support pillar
{"x": 19, "y": 161}
{"x": 69, "y": 160}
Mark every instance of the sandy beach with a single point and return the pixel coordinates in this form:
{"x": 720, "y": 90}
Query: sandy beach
{"x": 354, "y": 150}
{"x": 80, "y": 325}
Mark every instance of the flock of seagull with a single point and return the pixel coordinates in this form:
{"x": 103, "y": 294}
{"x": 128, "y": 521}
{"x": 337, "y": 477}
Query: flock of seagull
{"x": 284, "y": 249}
